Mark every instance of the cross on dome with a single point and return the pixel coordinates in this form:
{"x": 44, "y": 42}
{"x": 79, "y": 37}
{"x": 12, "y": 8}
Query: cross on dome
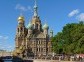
{"x": 35, "y": 9}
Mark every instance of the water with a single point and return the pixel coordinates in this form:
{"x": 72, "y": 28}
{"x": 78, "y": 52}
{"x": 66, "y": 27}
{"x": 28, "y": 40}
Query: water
{"x": 7, "y": 61}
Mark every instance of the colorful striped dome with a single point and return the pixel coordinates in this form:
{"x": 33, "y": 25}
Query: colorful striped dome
{"x": 45, "y": 26}
{"x": 29, "y": 26}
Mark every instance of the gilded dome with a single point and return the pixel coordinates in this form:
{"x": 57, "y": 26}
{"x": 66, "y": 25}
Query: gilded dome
{"x": 20, "y": 18}
{"x": 29, "y": 26}
{"x": 45, "y": 26}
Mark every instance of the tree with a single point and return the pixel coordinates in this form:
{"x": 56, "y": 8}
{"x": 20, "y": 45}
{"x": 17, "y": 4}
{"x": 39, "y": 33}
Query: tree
{"x": 70, "y": 40}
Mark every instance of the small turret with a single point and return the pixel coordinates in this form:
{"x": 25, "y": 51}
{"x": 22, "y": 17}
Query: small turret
{"x": 20, "y": 33}
{"x": 21, "y": 27}
{"x": 51, "y": 33}
{"x": 20, "y": 19}
{"x": 45, "y": 28}
{"x": 29, "y": 27}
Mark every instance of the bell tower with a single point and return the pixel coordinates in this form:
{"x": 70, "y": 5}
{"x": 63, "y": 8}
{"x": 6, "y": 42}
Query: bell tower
{"x": 20, "y": 33}
{"x": 45, "y": 29}
{"x": 36, "y": 22}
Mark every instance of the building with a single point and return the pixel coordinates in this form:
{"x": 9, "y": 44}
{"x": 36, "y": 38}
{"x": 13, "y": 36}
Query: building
{"x": 4, "y": 53}
{"x": 33, "y": 40}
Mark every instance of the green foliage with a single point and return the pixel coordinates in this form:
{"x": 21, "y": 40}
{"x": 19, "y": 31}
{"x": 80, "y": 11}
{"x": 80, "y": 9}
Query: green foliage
{"x": 70, "y": 40}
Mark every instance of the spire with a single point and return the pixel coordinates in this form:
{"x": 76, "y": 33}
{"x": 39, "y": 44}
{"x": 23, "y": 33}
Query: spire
{"x": 35, "y": 9}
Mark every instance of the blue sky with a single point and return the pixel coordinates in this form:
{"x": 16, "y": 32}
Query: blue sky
{"x": 57, "y": 13}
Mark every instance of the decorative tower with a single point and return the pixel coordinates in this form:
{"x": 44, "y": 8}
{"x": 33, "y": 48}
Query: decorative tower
{"x": 20, "y": 33}
{"x": 51, "y": 33}
{"x": 29, "y": 27}
{"x": 36, "y": 22}
{"x": 45, "y": 29}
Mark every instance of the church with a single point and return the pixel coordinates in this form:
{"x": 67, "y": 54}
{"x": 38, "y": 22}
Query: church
{"x": 34, "y": 40}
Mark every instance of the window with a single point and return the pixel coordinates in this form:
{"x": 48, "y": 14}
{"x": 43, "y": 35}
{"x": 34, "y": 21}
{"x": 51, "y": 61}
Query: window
{"x": 36, "y": 26}
{"x": 37, "y": 49}
{"x": 21, "y": 28}
{"x": 33, "y": 26}
{"x": 41, "y": 49}
{"x": 18, "y": 29}
{"x": 40, "y": 42}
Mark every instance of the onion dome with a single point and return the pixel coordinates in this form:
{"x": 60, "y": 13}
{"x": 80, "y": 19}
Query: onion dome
{"x": 45, "y": 26}
{"x": 29, "y": 26}
{"x": 21, "y": 19}
{"x": 51, "y": 31}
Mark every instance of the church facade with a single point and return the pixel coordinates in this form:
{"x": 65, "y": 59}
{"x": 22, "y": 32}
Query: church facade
{"x": 33, "y": 40}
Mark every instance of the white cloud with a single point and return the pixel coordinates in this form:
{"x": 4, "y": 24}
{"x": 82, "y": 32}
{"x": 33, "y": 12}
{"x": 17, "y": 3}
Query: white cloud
{"x": 23, "y": 8}
{"x": 9, "y": 47}
{"x": 74, "y": 12}
{"x": 20, "y": 7}
{"x": 3, "y": 38}
{"x": 29, "y": 8}
{"x": 80, "y": 17}
{"x": 0, "y": 44}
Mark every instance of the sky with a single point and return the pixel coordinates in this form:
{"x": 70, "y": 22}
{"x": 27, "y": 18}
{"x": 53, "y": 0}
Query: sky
{"x": 56, "y": 13}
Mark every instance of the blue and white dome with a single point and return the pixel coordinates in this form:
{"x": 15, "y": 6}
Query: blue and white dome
{"x": 51, "y": 31}
{"x": 29, "y": 26}
{"x": 45, "y": 26}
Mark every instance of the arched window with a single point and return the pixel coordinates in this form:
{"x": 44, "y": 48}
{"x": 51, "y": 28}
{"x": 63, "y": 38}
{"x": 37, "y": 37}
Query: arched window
{"x": 18, "y": 29}
{"x": 41, "y": 49}
{"x": 37, "y": 49}
{"x": 33, "y": 26}
{"x": 40, "y": 42}
{"x": 36, "y": 26}
{"x": 21, "y": 29}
